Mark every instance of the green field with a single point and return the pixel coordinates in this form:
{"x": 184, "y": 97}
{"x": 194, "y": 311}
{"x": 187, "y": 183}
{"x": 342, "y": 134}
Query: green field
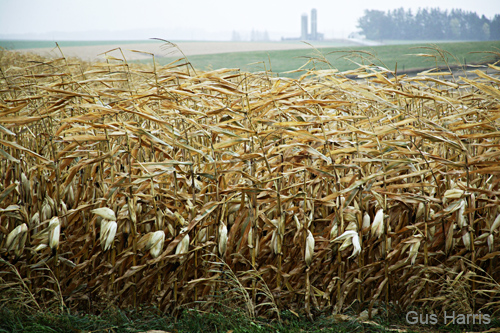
{"x": 322, "y": 55}
{"x": 347, "y": 58}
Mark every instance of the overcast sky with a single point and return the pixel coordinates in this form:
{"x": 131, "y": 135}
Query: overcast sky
{"x": 197, "y": 19}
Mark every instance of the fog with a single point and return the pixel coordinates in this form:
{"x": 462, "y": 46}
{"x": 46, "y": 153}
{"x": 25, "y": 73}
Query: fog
{"x": 196, "y": 19}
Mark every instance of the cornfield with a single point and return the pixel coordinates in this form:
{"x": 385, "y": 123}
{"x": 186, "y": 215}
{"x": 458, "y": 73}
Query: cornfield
{"x": 129, "y": 184}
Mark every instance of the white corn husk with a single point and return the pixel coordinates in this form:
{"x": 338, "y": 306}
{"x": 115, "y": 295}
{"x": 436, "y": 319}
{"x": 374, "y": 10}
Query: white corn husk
{"x": 155, "y": 243}
{"x": 180, "y": 219}
{"x": 334, "y": 232}
{"x": 274, "y": 241}
{"x": 54, "y": 232}
{"x": 495, "y": 224}
{"x": 202, "y": 235}
{"x": 352, "y": 226}
{"x": 105, "y": 212}
{"x": 345, "y": 235}
{"x": 26, "y": 185}
{"x": 70, "y": 195}
{"x": 461, "y": 215}
{"x": 222, "y": 239}
{"x": 64, "y": 213}
{"x": 298, "y": 225}
{"x": 169, "y": 214}
{"x": 366, "y": 222}
{"x": 350, "y": 217}
{"x": 432, "y": 231}
{"x": 171, "y": 229}
{"x": 34, "y": 222}
{"x": 16, "y": 239}
{"x": 378, "y": 223}
{"x": 490, "y": 242}
{"x": 420, "y": 211}
{"x": 466, "y": 240}
{"x": 309, "y": 248}
{"x": 415, "y": 245}
{"x": 183, "y": 245}
{"x": 250, "y": 238}
{"x": 353, "y": 237}
{"x": 46, "y": 211}
{"x": 454, "y": 206}
{"x": 357, "y": 246}
{"x": 257, "y": 243}
{"x": 345, "y": 244}
{"x": 159, "y": 219}
{"x": 108, "y": 232}
{"x": 453, "y": 194}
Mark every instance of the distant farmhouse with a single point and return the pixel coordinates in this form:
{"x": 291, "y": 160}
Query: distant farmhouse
{"x": 305, "y": 35}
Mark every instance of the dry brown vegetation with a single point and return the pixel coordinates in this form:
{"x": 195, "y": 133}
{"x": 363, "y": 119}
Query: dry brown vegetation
{"x": 251, "y": 178}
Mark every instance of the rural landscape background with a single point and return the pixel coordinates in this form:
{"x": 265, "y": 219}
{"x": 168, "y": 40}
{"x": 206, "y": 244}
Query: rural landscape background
{"x": 312, "y": 174}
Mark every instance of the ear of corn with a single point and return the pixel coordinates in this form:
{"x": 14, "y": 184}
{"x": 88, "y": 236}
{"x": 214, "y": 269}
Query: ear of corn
{"x": 54, "y": 232}
{"x": 105, "y": 213}
{"x": 183, "y": 246}
{"x": 309, "y": 248}
{"x": 378, "y": 224}
{"x": 222, "y": 240}
{"x": 16, "y": 239}
{"x": 108, "y": 232}
{"x": 155, "y": 243}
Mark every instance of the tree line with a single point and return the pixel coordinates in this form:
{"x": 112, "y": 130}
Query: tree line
{"x": 428, "y": 24}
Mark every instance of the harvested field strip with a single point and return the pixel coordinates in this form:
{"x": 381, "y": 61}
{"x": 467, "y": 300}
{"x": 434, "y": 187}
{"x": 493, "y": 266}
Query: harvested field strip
{"x": 127, "y": 185}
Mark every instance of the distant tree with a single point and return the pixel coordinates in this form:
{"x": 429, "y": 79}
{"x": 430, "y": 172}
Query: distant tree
{"x": 495, "y": 28}
{"x": 374, "y": 24}
{"x": 430, "y": 24}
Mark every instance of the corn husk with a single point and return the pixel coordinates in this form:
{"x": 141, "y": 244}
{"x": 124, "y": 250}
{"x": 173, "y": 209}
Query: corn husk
{"x": 309, "y": 248}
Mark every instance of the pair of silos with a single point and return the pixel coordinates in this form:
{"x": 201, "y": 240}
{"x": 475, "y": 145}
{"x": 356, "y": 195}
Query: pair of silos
{"x": 314, "y": 26}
